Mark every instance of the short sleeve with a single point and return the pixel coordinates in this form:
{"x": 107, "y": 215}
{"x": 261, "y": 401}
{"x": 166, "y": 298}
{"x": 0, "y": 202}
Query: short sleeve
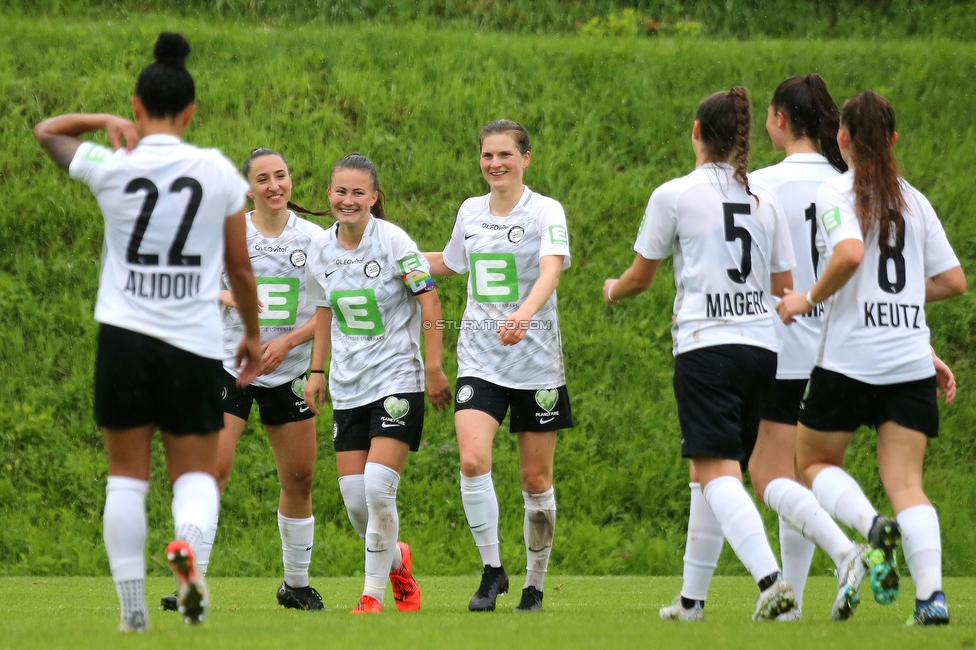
{"x": 782, "y": 257}
{"x": 88, "y": 164}
{"x": 410, "y": 266}
{"x": 454, "y": 257}
{"x": 836, "y": 220}
{"x": 316, "y": 281}
{"x": 655, "y": 236}
{"x": 237, "y": 187}
{"x": 938, "y": 253}
{"x": 555, "y": 236}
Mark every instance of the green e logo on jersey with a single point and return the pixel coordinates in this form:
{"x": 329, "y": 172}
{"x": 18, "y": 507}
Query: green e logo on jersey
{"x": 357, "y": 311}
{"x": 409, "y": 263}
{"x": 557, "y": 235}
{"x": 98, "y": 154}
{"x": 493, "y": 277}
{"x": 280, "y": 299}
{"x": 830, "y": 219}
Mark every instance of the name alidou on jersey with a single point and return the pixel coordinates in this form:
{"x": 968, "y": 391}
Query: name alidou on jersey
{"x": 164, "y": 205}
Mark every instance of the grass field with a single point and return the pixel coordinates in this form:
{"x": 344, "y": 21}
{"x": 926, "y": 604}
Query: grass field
{"x": 580, "y": 612}
{"x": 609, "y": 120}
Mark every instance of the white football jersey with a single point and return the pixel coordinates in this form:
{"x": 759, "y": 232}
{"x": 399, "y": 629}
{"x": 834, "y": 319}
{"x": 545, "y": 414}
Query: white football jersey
{"x": 794, "y": 183}
{"x": 164, "y": 205}
{"x": 874, "y": 326}
{"x": 375, "y": 318}
{"x": 725, "y": 243}
{"x": 501, "y": 256}
{"x": 279, "y": 271}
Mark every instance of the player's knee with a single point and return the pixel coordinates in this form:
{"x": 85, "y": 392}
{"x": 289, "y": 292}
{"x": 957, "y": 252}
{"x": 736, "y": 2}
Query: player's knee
{"x": 536, "y": 482}
{"x": 298, "y": 482}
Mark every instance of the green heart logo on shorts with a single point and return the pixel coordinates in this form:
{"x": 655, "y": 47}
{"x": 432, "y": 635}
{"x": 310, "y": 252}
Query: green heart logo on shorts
{"x": 397, "y": 408}
{"x": 298, "y": 387}
{"x": 546, "y": 399}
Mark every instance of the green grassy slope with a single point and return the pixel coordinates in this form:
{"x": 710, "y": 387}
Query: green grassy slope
{"x": 610, "y": 120}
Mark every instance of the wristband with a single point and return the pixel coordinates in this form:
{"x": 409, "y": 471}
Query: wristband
{"x": 317, "y": 372}
{"x": 810, "y": 300}
{"x": 609, "y": 289}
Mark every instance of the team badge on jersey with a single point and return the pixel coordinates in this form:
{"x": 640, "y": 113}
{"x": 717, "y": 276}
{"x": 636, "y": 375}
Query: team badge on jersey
{"x": 515, "y": 234}
{"x": 372, "y": 269}
{"x": 298, "y": 386}
{"x": 464, "y": 394}
{"x": 298, "y": 258}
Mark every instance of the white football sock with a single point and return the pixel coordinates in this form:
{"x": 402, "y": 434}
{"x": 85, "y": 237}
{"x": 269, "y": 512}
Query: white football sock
{"x": 124, "y": 530}
{"x": 481, "y": 510}
{"x": 206, "y": 546}
{"x": 297, "y": 536}
{"x": 538, "y": 528}
{"x": 353, "y": 491}
{"x": 195, "y": 503}
{"x": 796, "y": 553}
{"x": 922, "y": 544}
{"x": 382, "y": 528}
{"x": 799, "y": 507}
{"x": 703, "y": 546}
{"x": 741, "y": 525}
{"x": 843, "y": 499}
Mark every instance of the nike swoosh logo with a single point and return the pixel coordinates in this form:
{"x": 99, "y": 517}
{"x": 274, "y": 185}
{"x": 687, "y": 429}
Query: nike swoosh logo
{"x": 387, "y": 425}
{"x": 302, "y": 409}
{"x": 309, "y": 548}
{"x": 470, "y": 236}
{"x": 328, "y": 274}
{"x": 546, "y": 421}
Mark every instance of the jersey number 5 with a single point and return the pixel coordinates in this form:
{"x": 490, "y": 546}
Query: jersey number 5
{"x": 733, "y": 232}
{"x": 176, "y": 256}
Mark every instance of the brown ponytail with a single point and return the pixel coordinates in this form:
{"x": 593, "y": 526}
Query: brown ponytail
{"x": 811, "y": 113}
{"x": 870, "y": 121}
{"x": 725, "y": 119}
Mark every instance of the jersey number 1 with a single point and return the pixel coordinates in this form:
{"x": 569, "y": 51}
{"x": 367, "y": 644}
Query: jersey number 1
{"x": 733, "y": 232}
{"x": 176, "y": 256}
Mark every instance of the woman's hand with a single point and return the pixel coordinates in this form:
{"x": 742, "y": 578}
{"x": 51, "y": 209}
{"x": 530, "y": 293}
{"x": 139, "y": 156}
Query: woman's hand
{"x": 793, "y": 303}
{"x": 438, "y": 389}
{"x": 945, "y": 378}
{"x": 274, "y": 352}
{"x": 315, "y": 391}
{"x": 513, "y": 329}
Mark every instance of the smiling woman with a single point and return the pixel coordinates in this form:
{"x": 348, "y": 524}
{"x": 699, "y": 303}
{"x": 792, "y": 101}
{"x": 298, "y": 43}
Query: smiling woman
{"x": 277, "y": 242}
{"x": 373, "y": 289}
{"x": 515, "y": 245}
